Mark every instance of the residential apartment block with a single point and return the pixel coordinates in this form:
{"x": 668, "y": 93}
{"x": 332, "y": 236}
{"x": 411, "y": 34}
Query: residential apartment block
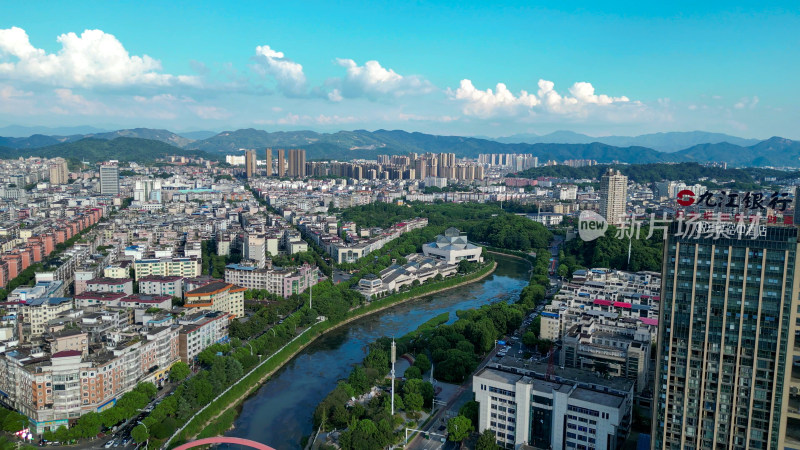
{"x": 170, "y": 267}
{"x": 217, "y": 296}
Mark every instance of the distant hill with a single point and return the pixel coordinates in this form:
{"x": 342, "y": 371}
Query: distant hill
{"x": 93, "y": 150}
{"x": 36, "y": 141}
{"x": 346, "y": 145}
{"x": 665, "y": 142}
{"x": 146, "y": 133}
{"x": 775, "y": 152}
{"x": 23, "y": 131}
{"x": 648, "y": 173}
{"x": 367, "y": 144}
{"x": 197, "y": 135}
{"x": 39, "y": 140}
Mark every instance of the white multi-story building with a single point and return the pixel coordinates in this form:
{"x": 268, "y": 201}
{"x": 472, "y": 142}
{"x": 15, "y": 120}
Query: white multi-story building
{"x": 526, "y": 409}
{"x": 255, "y": 248}
{"x": 161, "y": 285}
{"x": 171, "y": 267}
{"x": 124, "y": 285}
{"x": 37, "y": 312}
{"x": 201, "y": 330}
{"x": 281, "y": 281}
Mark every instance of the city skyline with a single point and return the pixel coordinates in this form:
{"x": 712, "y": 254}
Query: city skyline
{"x": 326, "y": 67}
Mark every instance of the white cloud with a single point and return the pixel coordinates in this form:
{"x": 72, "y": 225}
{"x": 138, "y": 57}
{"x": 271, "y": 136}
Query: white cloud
{"x": 16, "y": 102}
{"x": 305, "y": 119}
{"x": 747, "y": 102}
{"x": 373, "y": 81}
{"x": 501, "y": 101}
{"x": 94, "y": 58}
{"x": 9, "y": 93}
{"x": 210, "y": 112}
{"x": 288, "y": 74}
{"x": 78, "y": 104}
{"x": 488, "y": 102}
{"x": 335, "y": 95}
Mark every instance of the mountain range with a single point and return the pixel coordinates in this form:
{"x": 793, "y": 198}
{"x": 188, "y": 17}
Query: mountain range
{"x": 346, "y": 145}
{"x": 663, "y": 142}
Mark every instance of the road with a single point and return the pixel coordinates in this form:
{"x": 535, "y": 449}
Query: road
{"x": 462, "y": 395}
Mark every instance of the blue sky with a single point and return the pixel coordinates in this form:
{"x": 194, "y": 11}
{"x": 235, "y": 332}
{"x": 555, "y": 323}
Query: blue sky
{"x": 615, "y": 68}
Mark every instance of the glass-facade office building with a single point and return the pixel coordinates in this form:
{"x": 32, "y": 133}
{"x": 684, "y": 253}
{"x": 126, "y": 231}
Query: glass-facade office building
{"x": 726, "y": 342}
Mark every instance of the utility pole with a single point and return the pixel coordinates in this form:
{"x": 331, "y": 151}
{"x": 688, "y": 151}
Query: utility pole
{"x": 394, "y": 357}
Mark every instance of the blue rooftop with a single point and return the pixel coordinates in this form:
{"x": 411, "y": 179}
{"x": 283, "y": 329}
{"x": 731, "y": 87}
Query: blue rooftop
{"x": 51, "y": 300}
{"x": 240, "y": 267}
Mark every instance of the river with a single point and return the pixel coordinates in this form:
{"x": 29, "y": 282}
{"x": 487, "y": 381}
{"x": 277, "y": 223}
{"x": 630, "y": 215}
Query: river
{"x": 280, "y": 413}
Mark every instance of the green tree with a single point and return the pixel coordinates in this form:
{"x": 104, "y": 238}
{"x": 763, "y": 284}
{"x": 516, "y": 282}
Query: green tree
{"x": 413, "y": 401}
{"x": 470, "y": 411}
{"x": 487, "y": 441}
{"x": 563, "y": 270}
{"x": 458, "y": 428}
{"x": 179, "y": 371}
{"x": 412, "y": 372}
{"x": 362, "y": 435}
{"x": 358, "y": 380}
{"x": 422, "y": 362}
{"x": 14, "y": 422}
{"x": 139, "y": 433}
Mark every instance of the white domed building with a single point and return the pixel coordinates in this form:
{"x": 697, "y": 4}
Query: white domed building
{"x": 453, "y": 247}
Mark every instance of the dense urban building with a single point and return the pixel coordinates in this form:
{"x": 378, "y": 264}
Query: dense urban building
{"x": 724, "y": 377}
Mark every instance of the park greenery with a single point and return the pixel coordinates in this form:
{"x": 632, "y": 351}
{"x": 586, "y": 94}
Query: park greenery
{"x": 485, "y": 223}
{"x": 611, "y": 251}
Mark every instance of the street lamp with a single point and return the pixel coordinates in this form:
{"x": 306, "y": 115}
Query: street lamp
{"x": 146, "y": 441}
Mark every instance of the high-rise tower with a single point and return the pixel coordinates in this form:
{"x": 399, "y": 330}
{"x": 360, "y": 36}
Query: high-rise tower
{"x": 250, "y": 163}
{"x": 297, "y": 163}
{"x": 109, "y": 178}
{"x": 281, "y": 163}
{"x": 726, "y": 340}
{"x": 613, "y": 196}
{"x": 269, "y": 162}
